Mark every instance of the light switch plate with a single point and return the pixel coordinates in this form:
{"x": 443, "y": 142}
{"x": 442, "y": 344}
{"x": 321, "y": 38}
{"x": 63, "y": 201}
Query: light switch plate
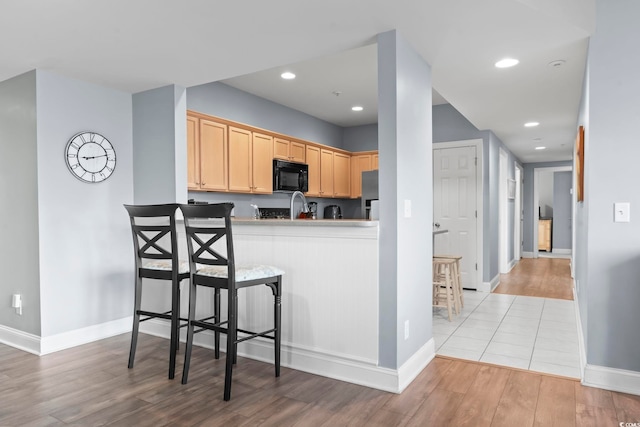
{"x": 407, "y": 208}
{"x": 622, "y": 212}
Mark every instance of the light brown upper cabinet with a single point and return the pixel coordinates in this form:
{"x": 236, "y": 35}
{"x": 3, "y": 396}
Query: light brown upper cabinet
{"x": 374, "y": 162}
{"x": 359, "y": 163}
{"x": 288, "y": 150}
{"x": 250, "y": 161}
{"x": 313, "y": 160}
{"x": 341, "y": 175}
{"x": 328, "y": 172}
{"x": 206, "y": 155}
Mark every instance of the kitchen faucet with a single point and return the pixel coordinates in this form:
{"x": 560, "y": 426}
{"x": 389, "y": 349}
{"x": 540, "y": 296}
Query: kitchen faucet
{"x": 305, "y": 207}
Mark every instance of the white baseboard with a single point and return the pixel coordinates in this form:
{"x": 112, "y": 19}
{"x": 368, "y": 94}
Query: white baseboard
{"x": 513, "y": 263}
{"x": 332, "y": 365}
{"x": 488, "y": 287}
{"x": 45, "y": 345}
{"x": 561, "y": 251}
{"x": 20, "y": 340}
{"x": 85, "y": 335}
{"x": 416, "y": 363}
{"x": 581, "y": 347}
{"x": 619, "y": 380}
{"x": 527, "y": 254}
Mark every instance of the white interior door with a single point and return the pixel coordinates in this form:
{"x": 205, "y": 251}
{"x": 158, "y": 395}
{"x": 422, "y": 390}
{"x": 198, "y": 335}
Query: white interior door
{"x": 455, "y": 208}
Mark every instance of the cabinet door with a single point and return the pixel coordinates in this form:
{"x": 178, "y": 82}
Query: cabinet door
{"x": 213, "y": 156}
{"x": 262, "y": 163}
{"x": 193, "y": 154}
{"x": 359, "y": 164}
{"x": 326, "y": 173}
{"x": 297, "y": 152}
{"x": 374, "y": 162}
{"x": 281, "y": 149}
{"x": 313, "y": 160}
{"x": 341, "y": 175}
{"x": 240, "y": 160}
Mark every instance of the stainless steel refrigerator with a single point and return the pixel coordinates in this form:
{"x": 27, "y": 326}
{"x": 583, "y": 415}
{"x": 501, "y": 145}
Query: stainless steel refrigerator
{"x": 369, "y": 194}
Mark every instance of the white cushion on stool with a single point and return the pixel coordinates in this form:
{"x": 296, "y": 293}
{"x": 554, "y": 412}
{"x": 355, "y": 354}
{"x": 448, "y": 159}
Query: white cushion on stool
{"x": 243, "y": 272}
{"x": 165, "y": 265}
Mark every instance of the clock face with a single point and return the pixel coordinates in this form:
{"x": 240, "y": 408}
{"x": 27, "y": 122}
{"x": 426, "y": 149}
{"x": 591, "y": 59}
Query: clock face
{"x": 90, "y": 157}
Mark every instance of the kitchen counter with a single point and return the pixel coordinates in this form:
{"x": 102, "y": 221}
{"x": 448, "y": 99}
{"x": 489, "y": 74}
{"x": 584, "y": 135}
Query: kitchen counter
{"x": 329, "y": 296}
{"x": 306, "y": 222}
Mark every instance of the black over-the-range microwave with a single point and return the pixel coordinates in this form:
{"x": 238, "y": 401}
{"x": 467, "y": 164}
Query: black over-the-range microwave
{"x": 289, "y": 176}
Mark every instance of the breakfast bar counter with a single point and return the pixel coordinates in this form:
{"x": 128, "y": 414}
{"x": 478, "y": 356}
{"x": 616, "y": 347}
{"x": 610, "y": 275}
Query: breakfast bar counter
{"x": 330, "y": 294}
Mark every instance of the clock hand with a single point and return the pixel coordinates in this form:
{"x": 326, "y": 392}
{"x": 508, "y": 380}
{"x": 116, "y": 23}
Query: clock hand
{"x": 93, "y": 157}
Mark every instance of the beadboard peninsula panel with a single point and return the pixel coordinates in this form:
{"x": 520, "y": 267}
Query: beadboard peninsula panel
{"x": 330, "y": 289}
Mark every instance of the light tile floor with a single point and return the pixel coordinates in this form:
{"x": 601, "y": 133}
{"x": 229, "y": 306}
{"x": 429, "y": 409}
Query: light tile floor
{"x": 538, "y": 334}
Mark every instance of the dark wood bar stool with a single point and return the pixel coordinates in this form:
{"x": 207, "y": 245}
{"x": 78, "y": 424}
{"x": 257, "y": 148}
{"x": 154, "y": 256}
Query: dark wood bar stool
{"x": 212, "y": 264}
{"x": 155, "y": 246}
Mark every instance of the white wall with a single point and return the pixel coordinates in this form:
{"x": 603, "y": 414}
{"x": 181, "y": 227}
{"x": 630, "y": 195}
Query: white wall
{"x": 86, "y": 259}
{"x": 19, "y": 198}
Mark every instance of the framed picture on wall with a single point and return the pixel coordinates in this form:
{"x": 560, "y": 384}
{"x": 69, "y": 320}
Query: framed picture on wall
{"x": 580, "y": 164}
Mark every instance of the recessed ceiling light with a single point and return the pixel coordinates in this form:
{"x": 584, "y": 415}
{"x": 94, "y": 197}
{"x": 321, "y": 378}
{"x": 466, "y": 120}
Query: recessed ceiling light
{"x": 540, "y": 148}
{"x": 506, "y": 63}
{"x": 287, "y": 75}
{"x": 357, "y": 108}
{"x": 531, "y": 124}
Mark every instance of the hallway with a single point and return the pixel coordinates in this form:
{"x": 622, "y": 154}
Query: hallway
{"x": 533, "y": 329}
{"x": 539, "y": 277}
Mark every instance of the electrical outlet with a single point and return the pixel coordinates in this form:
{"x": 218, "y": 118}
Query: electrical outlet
{"x": 406, "y": 329}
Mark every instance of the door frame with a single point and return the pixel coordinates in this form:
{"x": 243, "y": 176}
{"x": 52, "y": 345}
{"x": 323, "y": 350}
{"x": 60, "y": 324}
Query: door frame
{"x": 503, "y": 213}
{"x": 518, "y": 225}
{"x": 536, "y": 201}
{"x": 478, "y": 144}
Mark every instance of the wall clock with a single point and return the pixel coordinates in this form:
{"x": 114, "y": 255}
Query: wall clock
{"x": 90, "y": 157}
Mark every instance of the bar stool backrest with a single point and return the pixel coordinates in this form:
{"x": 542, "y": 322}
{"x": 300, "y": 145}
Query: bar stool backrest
{"x": 154, "y": 233}
{"x": 207, "y": 241}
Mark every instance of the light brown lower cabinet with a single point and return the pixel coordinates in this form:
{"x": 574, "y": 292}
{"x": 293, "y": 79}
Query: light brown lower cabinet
{"x": 544, "y": 234}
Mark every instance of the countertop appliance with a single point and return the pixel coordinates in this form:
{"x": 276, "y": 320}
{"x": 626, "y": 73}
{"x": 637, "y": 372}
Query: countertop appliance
{"x": 332, "y": 212}
{"x": 290, "y": 176}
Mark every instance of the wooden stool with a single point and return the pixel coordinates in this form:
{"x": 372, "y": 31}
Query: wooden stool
{"x": 456, "y": 274}
{"x": 445, "y": 293}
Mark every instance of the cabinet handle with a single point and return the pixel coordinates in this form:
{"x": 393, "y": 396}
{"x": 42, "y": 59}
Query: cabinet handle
{"x": 204, "y": 183}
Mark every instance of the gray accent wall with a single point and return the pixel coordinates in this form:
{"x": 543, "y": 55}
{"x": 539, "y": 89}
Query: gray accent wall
{"x": 220, "y": 100}
{"x": 360, "y": 138}
{"x": 86, "y": 255}
{"x": 159, "y": 151}
{"x": 562, "y": 221}
{"x": 405, "y": 146}
{"x": 608, "y": 253}
{"x": 19, "y": 257}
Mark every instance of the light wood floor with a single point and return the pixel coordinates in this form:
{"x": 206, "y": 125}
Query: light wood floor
{"x": 539, "y": 277}
{"x": 91, "y": 385}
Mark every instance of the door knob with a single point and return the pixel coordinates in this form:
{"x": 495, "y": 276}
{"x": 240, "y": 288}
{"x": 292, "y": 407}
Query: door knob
{"x": 437, "y": 225}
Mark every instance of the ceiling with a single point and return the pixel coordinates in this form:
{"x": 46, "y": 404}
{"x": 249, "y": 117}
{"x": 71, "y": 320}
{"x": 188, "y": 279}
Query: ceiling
{"x": 135, "y": 46}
